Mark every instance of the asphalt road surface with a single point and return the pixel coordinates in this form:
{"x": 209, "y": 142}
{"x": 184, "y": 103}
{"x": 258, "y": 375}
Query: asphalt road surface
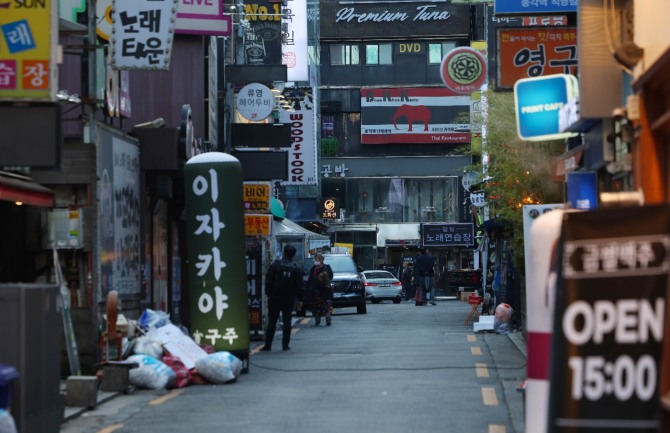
{"x": 398, "y": 369}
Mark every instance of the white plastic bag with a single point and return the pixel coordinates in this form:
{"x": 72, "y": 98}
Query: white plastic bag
{"x": 146, "y": 345}
{"x": 219, "y": 367}
{"x": 151, "y": 373}
{"x": 503, "y": 318}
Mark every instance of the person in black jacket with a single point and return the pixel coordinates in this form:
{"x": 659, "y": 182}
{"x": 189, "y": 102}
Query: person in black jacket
{"x": 425, "y": 265}
{"x": 407, "y": 283}
{"x": 283, "y": 286}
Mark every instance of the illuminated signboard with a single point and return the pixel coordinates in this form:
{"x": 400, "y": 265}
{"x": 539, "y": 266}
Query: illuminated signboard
{"x": 538, "y": 102}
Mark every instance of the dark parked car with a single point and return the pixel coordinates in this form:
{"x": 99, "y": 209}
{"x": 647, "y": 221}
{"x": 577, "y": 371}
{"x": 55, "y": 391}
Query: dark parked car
{"x": 347, "y": 283}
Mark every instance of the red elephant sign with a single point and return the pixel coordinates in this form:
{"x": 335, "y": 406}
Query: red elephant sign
{"x": 414, "y": 115}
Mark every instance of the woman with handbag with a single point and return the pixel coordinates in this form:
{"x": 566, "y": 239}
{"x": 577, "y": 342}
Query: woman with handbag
{"x": 320, "y": 292}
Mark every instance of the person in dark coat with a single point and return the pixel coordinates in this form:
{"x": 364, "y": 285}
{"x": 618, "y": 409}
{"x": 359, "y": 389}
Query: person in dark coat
{"x": 283, "y": 287}
{"x": 406, "y": 279}
{"x": 319, "y": 292}
{"x": 425, "y": 265}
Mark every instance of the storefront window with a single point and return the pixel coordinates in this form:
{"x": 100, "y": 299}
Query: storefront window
{"x": 397, "y": 200}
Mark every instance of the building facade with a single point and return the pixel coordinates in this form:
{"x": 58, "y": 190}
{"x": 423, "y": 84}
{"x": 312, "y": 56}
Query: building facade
{"x": 398, "y": 140}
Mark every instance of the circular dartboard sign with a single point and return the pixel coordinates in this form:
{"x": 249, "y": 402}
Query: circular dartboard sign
{"x": 463, "y": 70}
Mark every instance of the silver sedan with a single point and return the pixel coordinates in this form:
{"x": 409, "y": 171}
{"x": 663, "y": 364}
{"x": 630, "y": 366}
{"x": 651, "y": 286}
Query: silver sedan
{"x": 381, "y": 286}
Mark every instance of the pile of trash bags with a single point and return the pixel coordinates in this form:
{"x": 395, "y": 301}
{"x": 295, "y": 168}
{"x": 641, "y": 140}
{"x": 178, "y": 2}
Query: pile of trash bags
{"x": 165, "y": 356}
{"x": 503, "y": 319}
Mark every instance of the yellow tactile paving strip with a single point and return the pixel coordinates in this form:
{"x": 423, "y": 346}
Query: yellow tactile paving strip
{"x": 489, "y": 397}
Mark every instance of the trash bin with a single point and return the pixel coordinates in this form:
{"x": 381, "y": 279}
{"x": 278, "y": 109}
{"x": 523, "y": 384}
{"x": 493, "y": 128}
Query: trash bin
{"x": 7, "y": 375}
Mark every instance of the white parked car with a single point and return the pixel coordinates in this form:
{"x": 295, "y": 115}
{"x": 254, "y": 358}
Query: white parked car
{"x": 381, "y": 286}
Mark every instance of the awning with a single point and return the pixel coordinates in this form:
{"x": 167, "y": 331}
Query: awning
{"x": 25, "y": 191}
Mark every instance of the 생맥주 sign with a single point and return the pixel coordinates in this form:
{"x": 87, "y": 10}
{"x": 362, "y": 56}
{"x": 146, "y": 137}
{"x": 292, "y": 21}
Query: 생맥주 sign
{"x": 609, "y": 317}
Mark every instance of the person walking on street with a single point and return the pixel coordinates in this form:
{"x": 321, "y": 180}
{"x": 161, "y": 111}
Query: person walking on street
{"x": 425, "y": 265}
{"x": 406, "y": 279}
{"x": 319, "y": 291}
{"x": 283, "y": 286}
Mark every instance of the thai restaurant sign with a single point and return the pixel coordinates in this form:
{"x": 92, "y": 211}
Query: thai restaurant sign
{"x": 142, "y": 33}
{"x": 528, "y": 53}
{"x": 414, "y": 115}
{"x": 28, "y": 38}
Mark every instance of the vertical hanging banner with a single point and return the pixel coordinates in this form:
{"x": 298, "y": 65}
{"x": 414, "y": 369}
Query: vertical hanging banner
{"x": 28, "y": 39}
{"x": 216, "y": 252}
{"x": 294, "y": 40}
{"x": 142, "y": 33}
{"x": 302, "y": 164}
{"x": 608, "y": 320}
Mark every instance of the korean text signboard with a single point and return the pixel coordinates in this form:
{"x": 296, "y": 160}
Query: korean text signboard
{"x": 526, "y": 53}
{"x": 294, "y": 40}
{"x": 448, "y": 235}
{"x": 142, "y": 33}
{"x": 608, "y": 320}
{"x": 216, "y": 247}
{"x": 28, "y": 37}
{"x": 258, "y": 224}
{"x": 255, "y": 102}
{"x": 257, "y": 197}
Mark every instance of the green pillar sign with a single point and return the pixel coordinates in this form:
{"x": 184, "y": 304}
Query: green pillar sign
{"x": 216, "y": 252}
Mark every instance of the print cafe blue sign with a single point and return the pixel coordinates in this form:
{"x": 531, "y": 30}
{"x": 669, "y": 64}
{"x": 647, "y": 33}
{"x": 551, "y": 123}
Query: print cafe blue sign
{"x": 538, "y": 102}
